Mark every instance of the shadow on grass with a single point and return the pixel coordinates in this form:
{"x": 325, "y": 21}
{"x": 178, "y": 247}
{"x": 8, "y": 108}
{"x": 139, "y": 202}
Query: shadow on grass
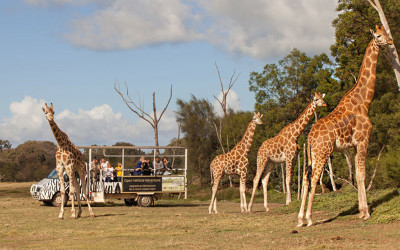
{"x": 181, "y": 205}
{"x": 106, "y": 215}
{"x": 354, "y": 209}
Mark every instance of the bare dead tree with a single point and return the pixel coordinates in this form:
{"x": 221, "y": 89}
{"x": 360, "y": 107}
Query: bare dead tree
{"x": 232, "y": 82}
{"x": 153, "y": 119}
{"x": 224, "y": 107}
{"x": 223, "y": 104}
{"x": 376, "y": 168}
{"x": 394, "y": 56}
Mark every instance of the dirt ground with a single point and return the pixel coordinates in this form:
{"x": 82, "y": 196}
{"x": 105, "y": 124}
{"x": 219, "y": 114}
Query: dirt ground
{"x": 173, "y": 224}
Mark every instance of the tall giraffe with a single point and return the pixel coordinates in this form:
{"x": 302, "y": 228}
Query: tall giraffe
{"x": 234, "y": 162}
{"x": 283, "y": 148}
{"x": 347, "y": 126}
{"x": 70, "y": 160}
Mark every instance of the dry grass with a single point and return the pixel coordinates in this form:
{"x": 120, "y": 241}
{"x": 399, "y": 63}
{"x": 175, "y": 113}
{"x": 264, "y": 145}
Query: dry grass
{"x": 171, "y": 224}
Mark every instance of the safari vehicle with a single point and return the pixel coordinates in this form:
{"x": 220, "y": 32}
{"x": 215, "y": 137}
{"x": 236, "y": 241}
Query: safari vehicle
{"x": 140, "y": 190}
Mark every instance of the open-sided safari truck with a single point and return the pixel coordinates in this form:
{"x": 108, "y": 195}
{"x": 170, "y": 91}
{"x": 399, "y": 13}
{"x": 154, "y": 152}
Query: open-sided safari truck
{"x": 141, "y": 190}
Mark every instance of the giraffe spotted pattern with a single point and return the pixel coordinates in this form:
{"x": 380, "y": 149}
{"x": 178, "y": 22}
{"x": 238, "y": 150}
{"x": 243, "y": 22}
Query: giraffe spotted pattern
{"x": 234, "y": 163}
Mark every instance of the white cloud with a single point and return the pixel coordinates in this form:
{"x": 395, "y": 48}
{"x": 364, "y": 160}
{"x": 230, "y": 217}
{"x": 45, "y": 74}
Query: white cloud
{"x": 127, "y": 24}
{"x": 262, "y": 28}
{"x": 26, "y": 121}
{"x": 259, "y": 28}
{"x": 100, "y": 125}
{"x": 232, "y": 101}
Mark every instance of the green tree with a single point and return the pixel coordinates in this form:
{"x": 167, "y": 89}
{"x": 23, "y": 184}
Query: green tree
{"x": 283, "y": 90}
{"x": 196, "y": 118}
{"x": 30, "y": 161}
{"x": 352, "y": 31}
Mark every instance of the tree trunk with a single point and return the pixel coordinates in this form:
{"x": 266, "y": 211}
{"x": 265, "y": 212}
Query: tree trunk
{"x": 321, "y": 183}
{"x": 350, "y": 167}
{"x": 392, "y": 48}
{"x": 304, "y": 168}
{"x": 376, "y": 167}
{"x": 298, "y": 175}
{"x": 331, "y": 174}
{"x": 283, "y": 178}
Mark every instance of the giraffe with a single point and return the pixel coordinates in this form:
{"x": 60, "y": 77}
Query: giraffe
{"x": 234, "y": 162}
{"x": 347, "y": 126}
{"x": 70, "y": 160}
{"x": 283, "y": 148}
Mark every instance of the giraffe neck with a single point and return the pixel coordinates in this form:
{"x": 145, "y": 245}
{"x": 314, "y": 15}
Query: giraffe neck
{"x": 61, "y": 138}
{"x": 301, "y": 122}
{"x": 363, "y": 91}
{"x": 247, "y": 138}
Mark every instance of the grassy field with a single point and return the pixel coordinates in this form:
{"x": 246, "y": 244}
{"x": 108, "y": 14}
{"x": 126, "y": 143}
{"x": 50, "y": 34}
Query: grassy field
{"x": 179, "y": 224}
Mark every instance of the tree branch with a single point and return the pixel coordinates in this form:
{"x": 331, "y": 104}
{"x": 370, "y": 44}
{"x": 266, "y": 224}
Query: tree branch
{"x": 135, "y": 109}
{"x": 166, "y": 106}
{"x": 376, "y": 167}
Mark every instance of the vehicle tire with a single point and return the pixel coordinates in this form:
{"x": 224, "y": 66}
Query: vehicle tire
{"x": 56, "y": 201}
{"x": 145, "y": 201}
{"x": 130, "y": 202}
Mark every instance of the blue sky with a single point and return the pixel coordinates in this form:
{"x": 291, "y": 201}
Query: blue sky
{"x": 71, "y": 52}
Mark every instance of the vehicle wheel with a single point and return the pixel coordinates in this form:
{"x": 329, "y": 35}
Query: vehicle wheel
{"x": 145, "y": 200}
{"x": 56, "y": 201}
{"x": 130, "y": 202}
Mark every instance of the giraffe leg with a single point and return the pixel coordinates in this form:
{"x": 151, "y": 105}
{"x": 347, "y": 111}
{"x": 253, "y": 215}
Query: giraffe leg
{"x": 78, "y": 196}
{"x": 300, "y": 217}
{"x": 71, "y": 194}
{"x": 316, "y": 172}
{"x": 60, "y": 173}
{"x": 265, "y": 179}
{"x": 360, "y": 176}
{"x": 243, "y": 205}
{"x": 213, "y": 204}
{"x": 288, "y": 181}
{"x": 85, "y": 191}
{"x": 261, "y": 162}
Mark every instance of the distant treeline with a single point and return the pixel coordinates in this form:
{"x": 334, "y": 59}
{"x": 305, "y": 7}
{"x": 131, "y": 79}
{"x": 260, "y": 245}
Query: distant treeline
{"x": 30, "y": 161}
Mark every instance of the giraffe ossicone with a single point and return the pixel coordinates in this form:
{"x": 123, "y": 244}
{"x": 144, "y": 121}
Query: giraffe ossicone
{"x": 234, "y": 162}
{"x": 347, "y": 126}
{"x": 69, "y": 159}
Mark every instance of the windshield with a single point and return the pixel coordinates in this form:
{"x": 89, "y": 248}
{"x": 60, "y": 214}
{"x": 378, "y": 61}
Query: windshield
{"x": 53, "y": 174}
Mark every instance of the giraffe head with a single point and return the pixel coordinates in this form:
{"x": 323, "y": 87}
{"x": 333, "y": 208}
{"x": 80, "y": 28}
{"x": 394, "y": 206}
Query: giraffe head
{"x": 380, "y": 36}
{"x": 318, "y": 99}
{"x": 257, "y": 118}
{"x": 49, "y": 112}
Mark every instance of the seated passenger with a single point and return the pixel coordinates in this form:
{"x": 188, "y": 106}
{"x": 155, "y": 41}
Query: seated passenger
{"x": 139, "y": 167}
{"x": 167, "y": 167}
{"x": 147, "y": 167}
{"x": 158, "y": 165}
{"x": 119, "y": 172}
